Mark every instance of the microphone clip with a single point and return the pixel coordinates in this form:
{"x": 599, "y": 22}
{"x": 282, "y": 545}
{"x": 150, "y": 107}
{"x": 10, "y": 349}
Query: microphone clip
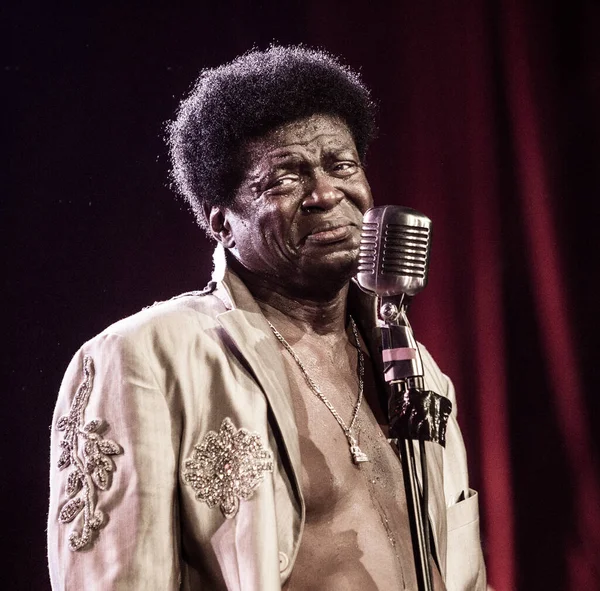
{"x": 413, "y": 412}
{"x": 401, "y": 356}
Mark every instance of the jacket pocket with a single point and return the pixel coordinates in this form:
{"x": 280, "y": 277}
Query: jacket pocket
{"x": 465, "y": 569}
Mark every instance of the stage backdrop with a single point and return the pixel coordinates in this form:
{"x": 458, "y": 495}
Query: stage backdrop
{"x": 489, "y": 124}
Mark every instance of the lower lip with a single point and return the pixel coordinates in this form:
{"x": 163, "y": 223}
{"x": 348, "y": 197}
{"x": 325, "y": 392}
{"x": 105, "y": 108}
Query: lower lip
{"x": 330, "y": 236}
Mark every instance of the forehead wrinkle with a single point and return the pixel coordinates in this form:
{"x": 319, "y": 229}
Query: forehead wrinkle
{"x": 327, "y": 138}
{"x": 280, "y": 154}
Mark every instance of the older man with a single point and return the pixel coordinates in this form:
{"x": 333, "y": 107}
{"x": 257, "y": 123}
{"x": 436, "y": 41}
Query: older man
{"x": 235, "y": 438}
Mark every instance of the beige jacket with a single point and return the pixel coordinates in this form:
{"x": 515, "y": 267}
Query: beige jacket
{"x": 140, "y": 487}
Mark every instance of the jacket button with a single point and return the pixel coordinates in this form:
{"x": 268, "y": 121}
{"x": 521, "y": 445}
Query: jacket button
{"x": 284, "y": 561}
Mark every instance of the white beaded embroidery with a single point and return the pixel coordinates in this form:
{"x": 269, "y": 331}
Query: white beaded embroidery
{"x": 91, "y": 470}
{"x": 227, "y": 466}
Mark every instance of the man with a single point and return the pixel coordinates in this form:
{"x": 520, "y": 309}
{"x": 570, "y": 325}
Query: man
{"x": 235, "y": 438}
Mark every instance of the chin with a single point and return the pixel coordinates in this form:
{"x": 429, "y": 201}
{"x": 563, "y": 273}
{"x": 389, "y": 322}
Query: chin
{"x": 334, "y": 268}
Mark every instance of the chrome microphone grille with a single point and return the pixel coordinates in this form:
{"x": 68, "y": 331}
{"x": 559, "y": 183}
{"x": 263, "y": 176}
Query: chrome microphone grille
{"x": 394, "y": 251}
{"x": 405, "y": 250}
{"x": 367, "y": 254}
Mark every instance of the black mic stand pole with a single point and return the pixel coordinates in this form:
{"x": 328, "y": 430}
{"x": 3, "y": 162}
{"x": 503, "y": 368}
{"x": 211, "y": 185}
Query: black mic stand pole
{"x": 414, "y": 415}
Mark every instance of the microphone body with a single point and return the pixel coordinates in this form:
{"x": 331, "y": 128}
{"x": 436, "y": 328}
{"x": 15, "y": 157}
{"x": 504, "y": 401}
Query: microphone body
{"x": 393, "y": 264}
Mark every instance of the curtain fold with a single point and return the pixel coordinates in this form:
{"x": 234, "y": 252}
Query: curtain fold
{"x": 489, "y": 380}
{"x": 551, "y": 303}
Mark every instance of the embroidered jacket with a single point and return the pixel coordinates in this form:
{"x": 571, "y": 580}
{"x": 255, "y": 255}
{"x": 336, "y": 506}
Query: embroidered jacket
{"x": 175, "y": 460}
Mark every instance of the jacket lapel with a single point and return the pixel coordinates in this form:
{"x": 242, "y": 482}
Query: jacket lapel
{"x": 248, "y": 329}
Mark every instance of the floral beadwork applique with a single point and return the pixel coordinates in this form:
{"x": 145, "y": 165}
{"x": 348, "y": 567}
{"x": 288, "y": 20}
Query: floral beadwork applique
{"x": 227, "y": 466}
{"x": 87, "y": 453}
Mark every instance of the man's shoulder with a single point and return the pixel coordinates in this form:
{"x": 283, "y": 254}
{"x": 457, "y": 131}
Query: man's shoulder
{"x": 186, "y": 313}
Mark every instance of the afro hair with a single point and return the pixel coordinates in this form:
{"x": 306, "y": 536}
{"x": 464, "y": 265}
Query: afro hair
{"x": 248, "y": 97}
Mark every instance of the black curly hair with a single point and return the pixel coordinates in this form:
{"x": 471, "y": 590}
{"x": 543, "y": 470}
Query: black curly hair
{"x": 248, "y": 97}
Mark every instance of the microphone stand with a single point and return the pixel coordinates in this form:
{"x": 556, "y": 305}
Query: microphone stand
{"x": 414, "y": 415}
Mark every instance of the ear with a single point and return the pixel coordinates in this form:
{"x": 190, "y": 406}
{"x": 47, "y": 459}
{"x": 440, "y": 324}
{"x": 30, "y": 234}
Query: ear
{"x": 219, "y": 225}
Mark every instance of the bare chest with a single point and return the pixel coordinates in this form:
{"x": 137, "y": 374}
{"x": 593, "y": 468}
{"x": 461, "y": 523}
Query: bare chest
{"x": 325, "y": 421}
{"x": 356, "y": 519}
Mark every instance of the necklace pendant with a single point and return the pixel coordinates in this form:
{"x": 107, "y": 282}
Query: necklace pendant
{"x": 358, "y": 455}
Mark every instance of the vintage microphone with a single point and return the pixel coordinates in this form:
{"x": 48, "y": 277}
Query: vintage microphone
{"x": 393, "y": 264}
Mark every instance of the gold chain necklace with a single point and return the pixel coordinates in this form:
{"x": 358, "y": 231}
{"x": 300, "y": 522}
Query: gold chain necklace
{"x": 357, "y": 454}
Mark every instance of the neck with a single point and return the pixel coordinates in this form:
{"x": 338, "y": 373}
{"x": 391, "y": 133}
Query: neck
{"x": 320, "y": 311}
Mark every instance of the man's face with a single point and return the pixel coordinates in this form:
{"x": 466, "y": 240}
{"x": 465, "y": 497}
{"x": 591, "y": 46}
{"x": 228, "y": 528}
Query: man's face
{"x": 298, "y": 212}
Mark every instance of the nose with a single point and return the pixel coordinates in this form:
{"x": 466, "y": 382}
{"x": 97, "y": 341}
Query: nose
{"x": 323, "y": 193}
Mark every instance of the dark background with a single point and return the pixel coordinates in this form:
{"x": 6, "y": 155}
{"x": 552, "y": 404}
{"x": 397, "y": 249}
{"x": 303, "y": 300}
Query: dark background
{"x": 489, "y": 123}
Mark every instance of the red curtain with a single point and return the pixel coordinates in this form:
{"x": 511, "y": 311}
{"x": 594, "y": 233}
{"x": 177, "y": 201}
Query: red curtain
{"x": 525, "y": 78}
{"x": 490, "y": 124}
{"x": 489, "y": 117}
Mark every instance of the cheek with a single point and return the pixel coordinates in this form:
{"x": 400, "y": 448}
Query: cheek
{"x": 277, "y": 223}
{"x": 267, "y": 230}
{"x": 367, "y": 202}
{"x": 362, "y": 195}
{"x": 367, "y": 196}
{"x": 268, "y": 238}
{"x": 363, "y": 200}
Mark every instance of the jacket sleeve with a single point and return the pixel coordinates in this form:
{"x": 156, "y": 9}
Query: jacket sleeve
{"x": 465, "y": 567}
{"x": 113, "y": 485}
